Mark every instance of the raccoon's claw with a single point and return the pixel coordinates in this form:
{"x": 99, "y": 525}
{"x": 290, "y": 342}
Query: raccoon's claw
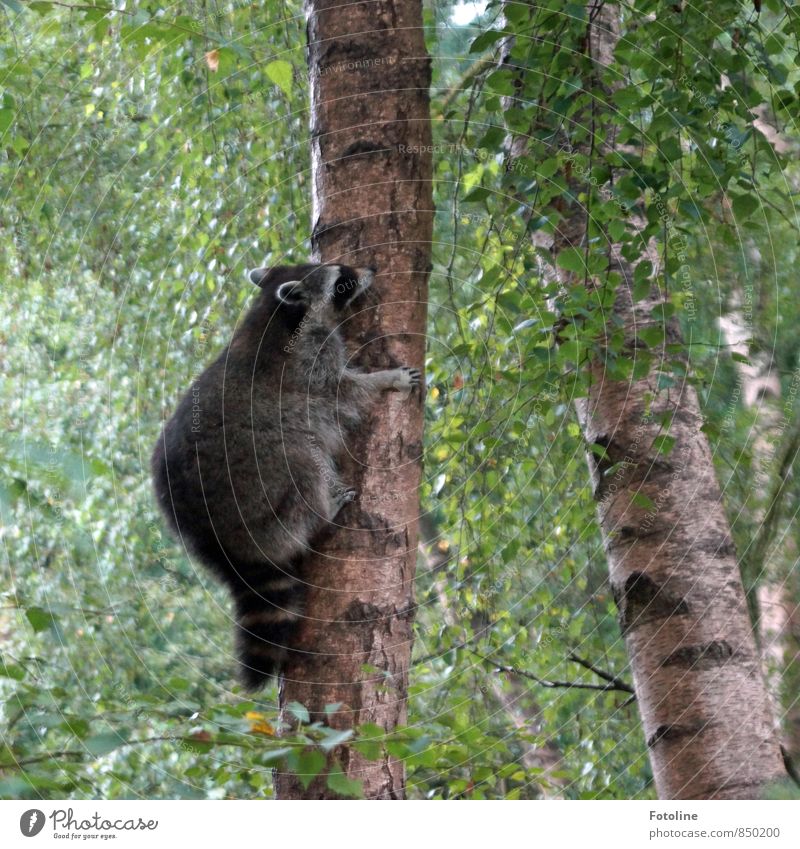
{"x": 407, "y": 378}
{"x": 340, "y": 498}
{"x": 345, "y": 496}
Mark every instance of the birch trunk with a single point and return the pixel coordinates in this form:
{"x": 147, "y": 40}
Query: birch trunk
{"x": 676, "y": 581}
{"x": 372, "y": 205}
{"x": 672, "y": 566}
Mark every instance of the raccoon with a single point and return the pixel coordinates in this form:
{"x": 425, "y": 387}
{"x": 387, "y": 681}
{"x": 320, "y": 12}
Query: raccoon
{"x": 245, "y": 471}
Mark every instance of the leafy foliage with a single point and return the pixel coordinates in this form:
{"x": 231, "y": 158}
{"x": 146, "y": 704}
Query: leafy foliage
{"x": 146, "y": 159}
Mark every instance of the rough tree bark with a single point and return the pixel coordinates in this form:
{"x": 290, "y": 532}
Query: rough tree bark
{"x": 675, "y": 577}
{"x": 673, "y": 567}
{"x": 372, "y": 205}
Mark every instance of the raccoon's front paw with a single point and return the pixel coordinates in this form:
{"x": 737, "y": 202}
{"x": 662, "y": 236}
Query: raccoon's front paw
{"x": 344, "y": 496}
{"x": 406, "y": 379}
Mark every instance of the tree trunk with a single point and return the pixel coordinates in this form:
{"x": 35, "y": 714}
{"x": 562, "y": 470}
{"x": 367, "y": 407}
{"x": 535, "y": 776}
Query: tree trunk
{"x": 676, "y": 581}
{"x": 372, "y": 205}
{"x": 672, "y": 564}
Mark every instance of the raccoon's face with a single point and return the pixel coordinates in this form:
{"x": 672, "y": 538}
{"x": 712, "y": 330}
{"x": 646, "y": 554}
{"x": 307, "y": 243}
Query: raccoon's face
{"x": 325, "y": 289}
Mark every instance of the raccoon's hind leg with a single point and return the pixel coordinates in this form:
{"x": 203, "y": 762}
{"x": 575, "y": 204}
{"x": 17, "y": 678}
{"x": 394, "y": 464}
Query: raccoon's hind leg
{"x": 269, "y": 604}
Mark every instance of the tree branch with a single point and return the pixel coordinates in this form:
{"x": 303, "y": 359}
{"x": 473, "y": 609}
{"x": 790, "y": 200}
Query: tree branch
{"x": 613, "y": 684}
{"x": 606, "y": 676}
{"x": 87, "y": 7}
{"x": 180, "y": 739}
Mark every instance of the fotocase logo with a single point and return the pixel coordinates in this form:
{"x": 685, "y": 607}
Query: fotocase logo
{"x": 31, "y": 822}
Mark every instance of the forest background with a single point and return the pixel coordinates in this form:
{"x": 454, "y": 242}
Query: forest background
{"x": 149, "y": 155}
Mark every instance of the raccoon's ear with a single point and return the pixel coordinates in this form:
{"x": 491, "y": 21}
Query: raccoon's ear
{"x": 274, "y": 275}
{"x": 258, "y": 276}
{"x": 290, "y": 293}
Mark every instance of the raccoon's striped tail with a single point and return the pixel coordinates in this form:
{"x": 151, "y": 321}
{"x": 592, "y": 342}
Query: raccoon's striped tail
{"x": 267, "y": 612}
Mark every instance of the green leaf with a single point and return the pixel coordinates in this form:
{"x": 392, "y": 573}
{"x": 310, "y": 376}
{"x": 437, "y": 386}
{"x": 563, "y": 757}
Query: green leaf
{"x": 479, "y": 193}
{"x": 102, "y": 744}
{"x": 6, "y": 119}
{"x": 641, "y": 365}
{"x": 501, "y": 82}
{"x": 299, "y": 712}
{"x": 280, "y": 72}
{"x": 626, "y": 98}
{"x": 335, "y": 738}
{"x": 11, "y": 670}
{"x": 597, "y": 263}
{"x": 196, "y": 746}
{"x": 344, "y": 786}
{"x": 571, "y": 259}
{"x": 643, "y": 271}
{"x": 571, "y": 351}
{"x": 39, "y": 618}
{"x": 745, "y": 205}
{"x": 664, "y": 443}
{"x": 276, "y": 754}
{"x": 484, "y": 40}
{"x": 641, "y": 289}
{"x": 547, "y": 168}
{"x": 664, "y": 381}
{"x": 372, "y": 750}
{"x": 517, "y": 13}
{"x": 641, "y": 280}
{"x": 77, "y": 726}
{"x": 493, "y": 139}
{"x": 616, "y": 229}
{"x": 670, "y": 149}
{"x": 307, "y": 765}
{"x": 641, "y": 500}
{"x": 661, "y": 312}
{"x": 652, "y": 336}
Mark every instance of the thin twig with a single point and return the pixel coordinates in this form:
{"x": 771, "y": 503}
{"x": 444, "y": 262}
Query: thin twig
{"x": 88, "y": 7}
{"x": 77, "y": 753}
{"x": 606, "y": 676}
{"x": 621, "y": 686}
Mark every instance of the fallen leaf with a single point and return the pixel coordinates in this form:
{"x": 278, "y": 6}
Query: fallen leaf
{"x": 212, "y": 60}
{"x": 259, "y": 724}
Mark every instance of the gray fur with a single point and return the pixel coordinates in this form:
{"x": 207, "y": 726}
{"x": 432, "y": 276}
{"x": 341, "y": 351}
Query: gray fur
{"x": 246, "y": 469}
